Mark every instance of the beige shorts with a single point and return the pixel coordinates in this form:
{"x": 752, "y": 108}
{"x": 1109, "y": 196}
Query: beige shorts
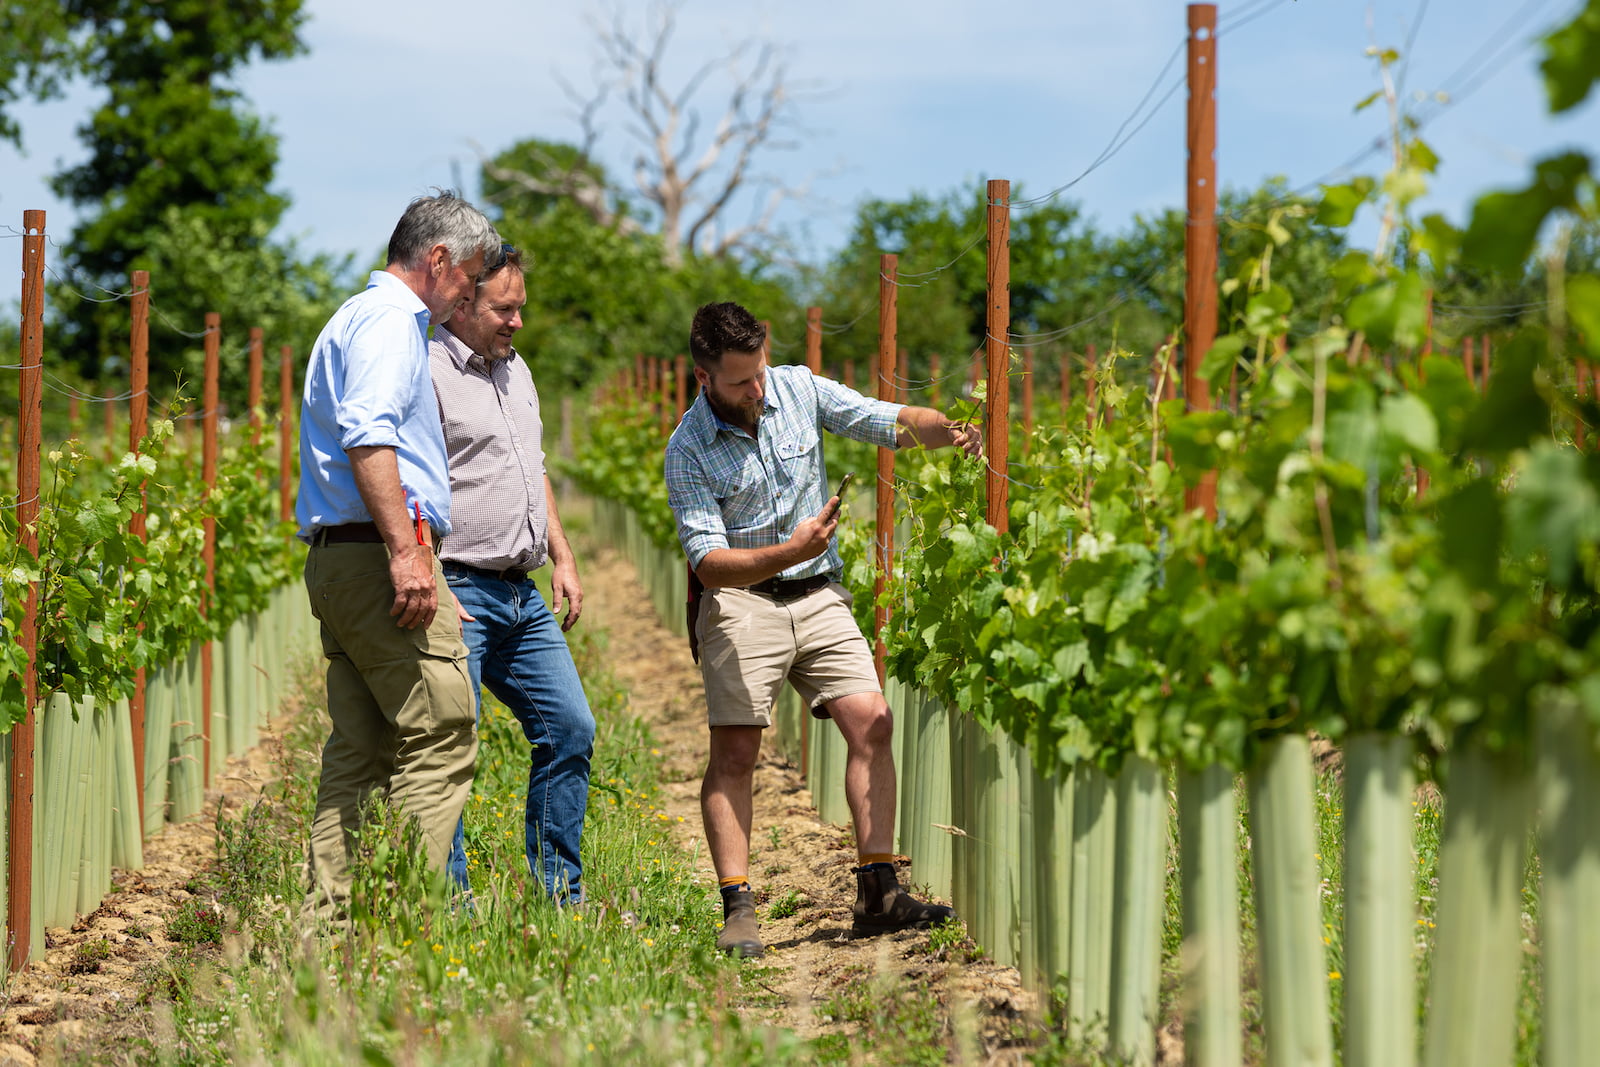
{"x": 751, "y": 644}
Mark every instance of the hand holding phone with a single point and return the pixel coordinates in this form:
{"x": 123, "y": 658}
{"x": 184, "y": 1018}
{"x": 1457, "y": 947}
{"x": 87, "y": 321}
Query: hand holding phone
{"x": 831, "y": 510}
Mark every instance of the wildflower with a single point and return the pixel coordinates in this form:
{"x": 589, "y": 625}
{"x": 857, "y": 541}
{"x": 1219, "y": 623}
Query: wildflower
{"x": 1334, "y": 975}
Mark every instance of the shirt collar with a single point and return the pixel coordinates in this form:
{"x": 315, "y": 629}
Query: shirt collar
{"x": 401, "y": 292}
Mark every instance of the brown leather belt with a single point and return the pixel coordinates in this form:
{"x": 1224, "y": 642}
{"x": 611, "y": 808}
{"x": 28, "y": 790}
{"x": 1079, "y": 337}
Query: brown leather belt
{"x": 791, "y": 588}
{"x": 355, "y": 533}
{"x": 510, "y": 574}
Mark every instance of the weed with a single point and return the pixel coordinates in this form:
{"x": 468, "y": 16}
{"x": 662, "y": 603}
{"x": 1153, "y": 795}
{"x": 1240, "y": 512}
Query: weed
{"x": 171, "y": 979}
{"x": 900, "y": 1025}
{"x": 136, "y": 929}
{"x": 787, "y": 905}
{"x": 949, "y": 941}
{"x": 197, "y": 922}
{"x": 775, "y": 835}
{"x": 87, "y": 957}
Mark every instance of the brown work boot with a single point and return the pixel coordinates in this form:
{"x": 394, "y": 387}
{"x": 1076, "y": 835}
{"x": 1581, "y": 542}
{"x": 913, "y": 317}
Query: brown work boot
{"x": 739, "y": 937}
{"x": 881, "y": 905}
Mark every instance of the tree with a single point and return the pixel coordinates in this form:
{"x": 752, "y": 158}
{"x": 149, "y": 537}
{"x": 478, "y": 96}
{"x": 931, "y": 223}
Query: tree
{"x": 178, "y": 172}
{"x": 599, "y": 292}
{"x": 689, "y": 174}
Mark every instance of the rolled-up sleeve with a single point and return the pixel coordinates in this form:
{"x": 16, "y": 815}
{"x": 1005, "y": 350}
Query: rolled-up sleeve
{"x": 378, "y": 387}
{"x": 700, "y": 526}
{"x": 847, "y": 413}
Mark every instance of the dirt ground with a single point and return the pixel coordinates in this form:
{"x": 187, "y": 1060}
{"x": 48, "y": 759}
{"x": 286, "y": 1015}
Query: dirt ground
{"x": 90, "y": 987}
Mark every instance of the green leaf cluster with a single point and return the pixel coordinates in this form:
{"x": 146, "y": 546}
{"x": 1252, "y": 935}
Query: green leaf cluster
{"x": 109, "y": 602}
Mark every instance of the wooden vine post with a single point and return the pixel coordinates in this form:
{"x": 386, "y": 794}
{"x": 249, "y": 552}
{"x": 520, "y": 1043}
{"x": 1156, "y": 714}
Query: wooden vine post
{"x": 285, "y": 422}
{"x": 997, "y": 447}
{"x": 680, "y": 384}
{"x": 138, "y": 427}
{"x": 814, "y": 339}
{"x": 1200, "y": 236}
{"x": 1066, "y": 381}
{"x": 209, "y": 475}
{"x": 888, "y": 290}
{"x": 1206, "y": 809}
{"x": 30, "y": 388}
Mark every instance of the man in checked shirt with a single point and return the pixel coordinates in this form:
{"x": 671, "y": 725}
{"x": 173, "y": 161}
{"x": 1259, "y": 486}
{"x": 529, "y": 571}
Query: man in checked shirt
{"x": 747, "y": 483}
{"x": 505, "y": 525}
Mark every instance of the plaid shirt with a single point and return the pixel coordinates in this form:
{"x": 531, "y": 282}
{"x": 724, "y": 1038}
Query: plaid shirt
{"x": 730, "y": 490}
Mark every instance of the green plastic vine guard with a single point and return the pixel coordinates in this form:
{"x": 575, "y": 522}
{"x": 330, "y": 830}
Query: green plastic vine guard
{"x": 1569, "y": 804}
{"x": 1208, "y": 830}
{"x": 1294, "y": 976}
{"x": 1093, "y": 887}
{"x": 1477, "y": 959}
{"x": 1141, "y": 865}
{"x": 1380, "y": 1018}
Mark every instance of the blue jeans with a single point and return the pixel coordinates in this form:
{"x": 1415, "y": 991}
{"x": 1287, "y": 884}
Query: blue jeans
{"x": 517, "y": 649}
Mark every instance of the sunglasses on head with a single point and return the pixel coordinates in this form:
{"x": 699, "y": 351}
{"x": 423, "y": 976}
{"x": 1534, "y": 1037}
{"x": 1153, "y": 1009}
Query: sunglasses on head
{"x": 495, "y": 260}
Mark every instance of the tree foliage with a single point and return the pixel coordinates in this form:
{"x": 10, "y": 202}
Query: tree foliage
{"x": 177, "y": 179}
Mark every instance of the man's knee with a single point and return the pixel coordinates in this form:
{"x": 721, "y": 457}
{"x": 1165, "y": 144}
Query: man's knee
{"x": 734, "y": 751}
{"x": 864, "y": 719}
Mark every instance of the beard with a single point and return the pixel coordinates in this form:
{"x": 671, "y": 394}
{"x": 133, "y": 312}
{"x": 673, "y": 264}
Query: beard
{"x": 741, "y": 414}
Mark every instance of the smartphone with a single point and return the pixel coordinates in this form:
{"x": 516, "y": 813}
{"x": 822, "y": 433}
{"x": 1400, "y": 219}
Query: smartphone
{"x": 844, "y": 483}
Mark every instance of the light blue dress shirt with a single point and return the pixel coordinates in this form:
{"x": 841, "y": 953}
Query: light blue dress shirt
{"x": 367, "y": 384}
{"x": 730, "y": 490}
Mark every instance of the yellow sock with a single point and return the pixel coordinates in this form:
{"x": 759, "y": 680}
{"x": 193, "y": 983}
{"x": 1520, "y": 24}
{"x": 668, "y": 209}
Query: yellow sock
{"x": 874, "y": 857}
{"x": 736, "y": 880}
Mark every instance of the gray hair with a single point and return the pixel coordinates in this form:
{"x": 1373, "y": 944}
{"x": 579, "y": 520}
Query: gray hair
{"x": 445, "y": 219}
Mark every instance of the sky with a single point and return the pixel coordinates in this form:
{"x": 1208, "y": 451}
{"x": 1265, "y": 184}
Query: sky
{"x": 891, "y": 98}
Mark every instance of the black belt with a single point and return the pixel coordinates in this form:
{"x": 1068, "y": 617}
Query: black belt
{"x": 510, "y": 574}
{"x": 791, "y": 588}
{"x": 354, "y": 533}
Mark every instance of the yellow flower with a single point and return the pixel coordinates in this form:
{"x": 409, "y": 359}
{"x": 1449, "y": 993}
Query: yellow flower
{"x": 1334, "y": 975}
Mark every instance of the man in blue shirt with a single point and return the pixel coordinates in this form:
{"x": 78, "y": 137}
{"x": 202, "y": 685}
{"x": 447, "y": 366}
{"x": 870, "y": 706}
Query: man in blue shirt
{"x": 747, "y": 484}
{"x": 374, "y": 499}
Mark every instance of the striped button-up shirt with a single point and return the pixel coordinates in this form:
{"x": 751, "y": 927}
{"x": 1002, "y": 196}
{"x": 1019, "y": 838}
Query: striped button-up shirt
{"x": 492, "y": 432}
{"x": 730, "y": 490}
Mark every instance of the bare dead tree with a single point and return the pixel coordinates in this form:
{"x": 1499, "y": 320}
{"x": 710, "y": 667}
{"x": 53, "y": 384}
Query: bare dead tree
{"x": 692, "y": 180}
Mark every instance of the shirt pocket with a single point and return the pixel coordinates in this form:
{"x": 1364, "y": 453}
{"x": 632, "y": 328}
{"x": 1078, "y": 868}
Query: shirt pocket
{"x": 798, "y": 471}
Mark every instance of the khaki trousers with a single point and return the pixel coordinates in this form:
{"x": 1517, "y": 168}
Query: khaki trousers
{"x": 404, "y": 718}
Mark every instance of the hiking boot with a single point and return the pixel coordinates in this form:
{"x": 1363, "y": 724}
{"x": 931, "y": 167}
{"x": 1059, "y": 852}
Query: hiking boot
{"x": 881, "y": 905}
{"x": 739, "y": 937}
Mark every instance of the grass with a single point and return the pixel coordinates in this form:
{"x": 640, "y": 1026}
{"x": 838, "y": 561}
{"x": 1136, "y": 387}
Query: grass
{"x": 416, "y": 978}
